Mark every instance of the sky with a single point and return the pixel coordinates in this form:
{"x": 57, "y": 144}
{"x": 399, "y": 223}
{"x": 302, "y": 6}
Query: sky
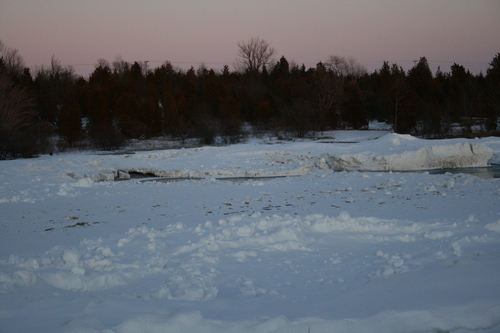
{"x": 191, "y": 32}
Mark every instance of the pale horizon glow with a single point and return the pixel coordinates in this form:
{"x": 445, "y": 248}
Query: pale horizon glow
{"x": 190, "y": 33}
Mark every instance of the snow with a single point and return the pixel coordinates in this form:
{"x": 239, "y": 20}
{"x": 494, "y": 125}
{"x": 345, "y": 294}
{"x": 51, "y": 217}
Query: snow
{"x": 404, "y": 152}
{"x": 222, "y": 246}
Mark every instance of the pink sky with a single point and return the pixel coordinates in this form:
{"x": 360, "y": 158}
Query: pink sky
{"x": 189, "y": 32}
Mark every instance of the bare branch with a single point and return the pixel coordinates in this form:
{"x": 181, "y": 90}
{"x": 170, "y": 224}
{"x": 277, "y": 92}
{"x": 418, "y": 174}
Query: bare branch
{"x": 343, "y": 67}
{"x": 12, "y": 60}
{"x": 17, "y": 107}
{"x": 254, "y": 54}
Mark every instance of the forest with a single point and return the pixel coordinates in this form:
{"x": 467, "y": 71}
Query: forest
{"x": 52, "y": 109}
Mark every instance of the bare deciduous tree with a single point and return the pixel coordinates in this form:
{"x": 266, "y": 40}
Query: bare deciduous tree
{"x": 344, "y": 67}
{"x": 102, "y": 63}
{"x": 254, "y": 54}
{"x": 17, "y": 115}
{"x": 120, "y": 66}
{"x": 12, "y": 60}
{"x": 17, "y": 106}
{"x": 328, "y": 96}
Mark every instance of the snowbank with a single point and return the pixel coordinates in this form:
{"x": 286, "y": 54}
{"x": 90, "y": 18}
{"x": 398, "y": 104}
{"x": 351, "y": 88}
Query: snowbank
{"x": 396, "y": 152}
{"x": 391, "y": 322}
{"x": 391, "y": 152}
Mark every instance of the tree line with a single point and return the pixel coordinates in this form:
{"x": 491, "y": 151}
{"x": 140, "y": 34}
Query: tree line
{"x": 53, "y": 108}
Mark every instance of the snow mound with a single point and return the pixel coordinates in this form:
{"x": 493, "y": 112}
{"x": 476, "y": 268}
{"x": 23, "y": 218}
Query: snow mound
{"x": 453, "y": 319}
{"x": 403, "y": 152}
{"x": 493, "y": 226}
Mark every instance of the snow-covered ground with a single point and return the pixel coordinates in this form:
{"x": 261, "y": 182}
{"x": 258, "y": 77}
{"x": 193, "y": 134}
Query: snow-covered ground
{"x": 83, "y": 248}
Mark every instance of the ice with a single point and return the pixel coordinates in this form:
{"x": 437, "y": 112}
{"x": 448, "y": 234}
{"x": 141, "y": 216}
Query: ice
{"x": 403, "y": 152}
{"x": 86, "y": 247}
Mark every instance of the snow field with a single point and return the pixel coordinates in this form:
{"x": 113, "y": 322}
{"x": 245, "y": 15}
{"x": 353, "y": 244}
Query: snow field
{"x": 325, "y": 251}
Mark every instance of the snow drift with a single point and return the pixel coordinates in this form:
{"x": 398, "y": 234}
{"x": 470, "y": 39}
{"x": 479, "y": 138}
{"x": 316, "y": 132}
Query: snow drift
{"x": 403, "y": 152}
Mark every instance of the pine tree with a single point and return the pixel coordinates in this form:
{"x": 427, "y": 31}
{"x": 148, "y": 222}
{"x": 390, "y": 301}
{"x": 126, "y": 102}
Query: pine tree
{"x": 70, "y": 120}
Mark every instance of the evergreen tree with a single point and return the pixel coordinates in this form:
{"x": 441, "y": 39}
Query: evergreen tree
{"x": 493, "y": 90}
{"x": 69, "y": 123}
{"x": 354, "y": 108}
{"x": 428, "y": 113}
